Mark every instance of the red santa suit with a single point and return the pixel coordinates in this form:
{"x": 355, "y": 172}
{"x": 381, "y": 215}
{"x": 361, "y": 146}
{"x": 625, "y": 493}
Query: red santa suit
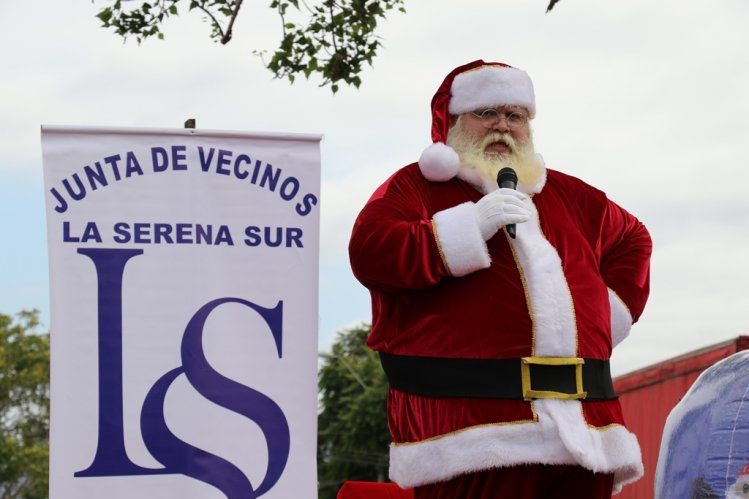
{"x": 569, "y": 285}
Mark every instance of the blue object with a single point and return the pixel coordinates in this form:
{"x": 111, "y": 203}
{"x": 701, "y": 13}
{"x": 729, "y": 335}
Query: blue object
{"x": 705, "y": 447}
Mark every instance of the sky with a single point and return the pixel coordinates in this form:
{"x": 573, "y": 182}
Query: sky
{"x": 645, "y": 100}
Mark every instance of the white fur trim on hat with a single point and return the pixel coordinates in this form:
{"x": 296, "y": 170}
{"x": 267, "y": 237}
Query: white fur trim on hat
{"x": 489, "y": 86}
{"x": 439, "y": 162}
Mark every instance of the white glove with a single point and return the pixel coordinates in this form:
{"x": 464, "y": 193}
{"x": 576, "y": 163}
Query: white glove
{"x": 500, "y": 208}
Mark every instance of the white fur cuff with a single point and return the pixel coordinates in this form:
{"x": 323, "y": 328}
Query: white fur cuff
{"x": 459, "y": 237}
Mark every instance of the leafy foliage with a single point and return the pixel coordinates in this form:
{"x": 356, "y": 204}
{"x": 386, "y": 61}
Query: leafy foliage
{"x": 353, "y": 437}
{"x": 24, "y": 407}
{"x": 145, "y": 21}
{"x": 336, "y": 40}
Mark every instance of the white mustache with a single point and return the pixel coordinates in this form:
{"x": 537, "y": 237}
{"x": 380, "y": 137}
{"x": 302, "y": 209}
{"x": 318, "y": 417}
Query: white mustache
{"x": 497, "y": 137}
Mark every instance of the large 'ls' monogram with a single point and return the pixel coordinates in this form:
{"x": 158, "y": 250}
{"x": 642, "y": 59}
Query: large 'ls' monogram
{"x": 177, "y": 456}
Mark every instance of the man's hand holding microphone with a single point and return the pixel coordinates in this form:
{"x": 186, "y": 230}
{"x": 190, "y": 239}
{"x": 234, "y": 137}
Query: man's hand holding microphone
{"x": 503, "y": 207}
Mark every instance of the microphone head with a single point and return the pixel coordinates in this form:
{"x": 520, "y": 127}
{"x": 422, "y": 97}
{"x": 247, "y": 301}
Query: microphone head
{"x": 507, "y": 174}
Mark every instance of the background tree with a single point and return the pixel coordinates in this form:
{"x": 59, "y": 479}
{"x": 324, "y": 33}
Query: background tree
{"x": 335, "y": 40}
{"x": 353, "y": 437}
{"x": 24, "y": 407}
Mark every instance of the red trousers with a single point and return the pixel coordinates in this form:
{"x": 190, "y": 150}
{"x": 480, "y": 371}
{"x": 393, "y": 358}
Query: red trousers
{"x": 523, "y": 482}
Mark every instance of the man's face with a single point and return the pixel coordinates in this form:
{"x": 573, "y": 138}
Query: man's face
{"x": 485, "y": 145}
{"x": 512, "y": 120}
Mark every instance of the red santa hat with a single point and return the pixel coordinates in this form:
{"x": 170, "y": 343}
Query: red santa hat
{"x": 472, "y": 86}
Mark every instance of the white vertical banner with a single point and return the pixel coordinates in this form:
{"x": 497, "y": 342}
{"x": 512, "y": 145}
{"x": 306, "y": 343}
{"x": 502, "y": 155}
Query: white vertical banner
{"x": 184, "y": 312}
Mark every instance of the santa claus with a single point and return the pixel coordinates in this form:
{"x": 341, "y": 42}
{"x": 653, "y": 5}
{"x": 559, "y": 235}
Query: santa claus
{"x": 496, "y": 345}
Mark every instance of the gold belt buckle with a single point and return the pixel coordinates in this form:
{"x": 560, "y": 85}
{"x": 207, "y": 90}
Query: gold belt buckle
{"x": 525, "y": 371}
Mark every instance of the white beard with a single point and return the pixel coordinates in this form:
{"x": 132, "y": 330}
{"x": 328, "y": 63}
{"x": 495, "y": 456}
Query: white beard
{"x": 522, "y": 158}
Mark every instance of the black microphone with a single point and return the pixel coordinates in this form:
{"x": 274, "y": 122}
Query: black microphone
{"x": 507, "y": 178}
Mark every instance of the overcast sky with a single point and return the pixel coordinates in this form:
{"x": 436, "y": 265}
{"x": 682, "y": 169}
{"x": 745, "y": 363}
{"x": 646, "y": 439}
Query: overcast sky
{"x": 645, "y": 100}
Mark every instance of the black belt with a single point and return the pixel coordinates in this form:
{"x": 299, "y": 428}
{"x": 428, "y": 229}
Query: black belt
{"x": 524, "y": 378}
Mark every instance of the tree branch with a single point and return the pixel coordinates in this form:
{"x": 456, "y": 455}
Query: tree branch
{"x": 213, "y": 20}
{"x": 332, "y": 23}
{"x": 227, "y": 36}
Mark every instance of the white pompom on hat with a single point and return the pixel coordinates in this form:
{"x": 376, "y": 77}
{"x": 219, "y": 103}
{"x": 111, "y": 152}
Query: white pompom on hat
{"x": 472, "y": 86}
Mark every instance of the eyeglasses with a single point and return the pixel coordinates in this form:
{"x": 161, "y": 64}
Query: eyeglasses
{"x": 490, "y": 117}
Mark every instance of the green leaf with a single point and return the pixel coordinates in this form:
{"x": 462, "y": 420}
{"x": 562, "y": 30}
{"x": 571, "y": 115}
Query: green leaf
{"x": 105, "y": 15}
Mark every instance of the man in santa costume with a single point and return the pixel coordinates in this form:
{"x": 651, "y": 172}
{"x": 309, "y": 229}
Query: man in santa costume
{"x": 495, "y": 310}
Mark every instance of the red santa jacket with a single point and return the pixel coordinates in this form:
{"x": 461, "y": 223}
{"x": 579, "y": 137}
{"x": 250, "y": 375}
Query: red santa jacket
{"x": 570, "y": 285}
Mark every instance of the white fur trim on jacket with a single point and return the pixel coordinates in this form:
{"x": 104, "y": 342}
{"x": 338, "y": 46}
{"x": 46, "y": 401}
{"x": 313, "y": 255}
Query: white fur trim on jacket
{"x": 621, "y": 319}
{"x": 560, "y": 436}
{"x": 459, "y": 238}
{"x": 549, "y": 298}
{"x": 491, "y": 86}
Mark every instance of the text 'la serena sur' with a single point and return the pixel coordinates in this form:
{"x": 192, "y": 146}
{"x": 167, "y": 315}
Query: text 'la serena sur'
{"x": 184, "y": 233}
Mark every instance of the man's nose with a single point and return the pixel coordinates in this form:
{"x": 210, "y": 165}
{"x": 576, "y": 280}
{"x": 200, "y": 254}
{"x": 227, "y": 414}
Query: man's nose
{"x": 501, "y": 125}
